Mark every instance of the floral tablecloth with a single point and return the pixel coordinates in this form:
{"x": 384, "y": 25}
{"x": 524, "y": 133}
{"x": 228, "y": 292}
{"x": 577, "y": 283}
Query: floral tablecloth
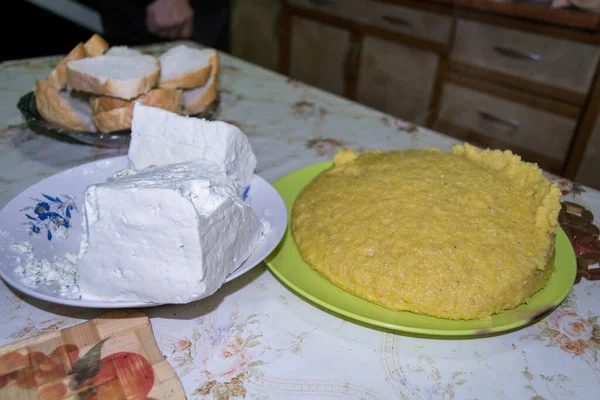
{"x": 257, "y": 339}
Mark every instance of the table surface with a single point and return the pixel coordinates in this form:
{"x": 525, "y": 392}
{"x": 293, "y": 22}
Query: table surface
{"x": 255, "y": 337}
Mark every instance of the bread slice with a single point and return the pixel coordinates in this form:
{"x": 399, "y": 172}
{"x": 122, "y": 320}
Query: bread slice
{"x": 58, "y": 77}
{"x": 106, "y": 103}
{"x": 112, "y": 114}
{"x": 95, "y": 46}
{"x": 116, "y": 76}
{"x": 117, "y": 119}
{"x": 185, "y": 67}
{"x": 124, "y": 51}
{"x": 167, "y": 99}
{"x": 195, "y": 101}
{"x": 64, "y": 109}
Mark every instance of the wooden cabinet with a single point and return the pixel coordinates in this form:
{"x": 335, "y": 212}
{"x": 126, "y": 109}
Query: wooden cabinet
{"x": 333, "y": 8}
{"x": 484, "y": 118}
{"x": 537, "y": 80}
{"x": 498, "y": 74}
{"x": 318, "y": 54}
{"x": 338, "y": 45}
{"x": 409, "y": 21}
{"x": 396, "y": 78}
{"x": 589, "y": 169}
{"x": 566, "y": 64}
{"x": 255, "y": 31}
{"x": 422, "y": 24}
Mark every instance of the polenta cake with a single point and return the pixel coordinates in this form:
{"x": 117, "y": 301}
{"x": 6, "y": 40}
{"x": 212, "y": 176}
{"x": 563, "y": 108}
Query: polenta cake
{"x": 460, "y": 235}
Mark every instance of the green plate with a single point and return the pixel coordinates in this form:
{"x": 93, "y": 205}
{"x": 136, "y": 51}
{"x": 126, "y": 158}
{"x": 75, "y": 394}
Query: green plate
{"x": 287, "y": 264}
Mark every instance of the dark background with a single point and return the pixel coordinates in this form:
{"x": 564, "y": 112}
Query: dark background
{"x": 32, "y": 31}
{"x": 35, "y": 32}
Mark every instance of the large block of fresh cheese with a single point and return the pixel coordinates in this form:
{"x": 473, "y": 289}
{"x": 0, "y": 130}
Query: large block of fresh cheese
{"x": 170, "y": 234}
{"x": 160, "y": 137}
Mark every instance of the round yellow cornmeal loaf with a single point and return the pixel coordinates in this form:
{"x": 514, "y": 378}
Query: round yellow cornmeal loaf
{"x": 456, "y": 236}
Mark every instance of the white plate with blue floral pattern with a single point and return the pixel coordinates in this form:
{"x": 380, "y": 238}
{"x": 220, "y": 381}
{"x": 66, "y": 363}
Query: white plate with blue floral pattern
{"x": 43, "y": 223}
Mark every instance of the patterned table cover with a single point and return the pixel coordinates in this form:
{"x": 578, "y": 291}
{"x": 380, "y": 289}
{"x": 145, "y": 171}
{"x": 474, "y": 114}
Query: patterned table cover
{"x": 257, "y": 339}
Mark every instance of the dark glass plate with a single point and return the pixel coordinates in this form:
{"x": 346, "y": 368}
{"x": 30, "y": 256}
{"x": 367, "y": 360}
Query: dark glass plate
{"x": 37, "y": 123}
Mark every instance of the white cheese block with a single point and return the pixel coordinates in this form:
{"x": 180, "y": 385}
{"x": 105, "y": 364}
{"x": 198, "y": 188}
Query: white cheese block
{"x": 166, "y": 235}
{"x": 160, "y": 137}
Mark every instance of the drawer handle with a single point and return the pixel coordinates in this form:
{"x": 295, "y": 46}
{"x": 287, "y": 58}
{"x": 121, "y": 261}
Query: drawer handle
{"x": 398, "y": 21}
{"x": 518, "y": 54}
{"x": 491, "y": 117}
{"x": 321, "y": 3}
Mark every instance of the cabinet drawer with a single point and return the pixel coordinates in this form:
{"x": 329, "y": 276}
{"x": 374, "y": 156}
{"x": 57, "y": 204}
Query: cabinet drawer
{"x": 316, "y": 61}
{"x": 556, "y": 62}
{"x": 472, "y": 115}
{"x": 336, "y": 8}
{"x": 411, "y": 21}
{"x": 381, "y": 86}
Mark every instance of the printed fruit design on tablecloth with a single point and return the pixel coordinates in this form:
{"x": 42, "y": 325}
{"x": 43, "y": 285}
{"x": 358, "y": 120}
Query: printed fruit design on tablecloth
{"x": 121, "y": 375}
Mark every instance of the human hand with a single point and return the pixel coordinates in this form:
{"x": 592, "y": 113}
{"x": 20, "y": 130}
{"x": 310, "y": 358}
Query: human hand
{"x": 170, "y": 18}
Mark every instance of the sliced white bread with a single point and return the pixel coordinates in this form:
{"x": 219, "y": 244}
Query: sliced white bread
{"x": 167, "y": 99}
{"x": 63, "y": 109}
{"x": 195, "y": 101}
{"x": 124, "y": 51}
{"x": 106, "y": 103}
{"x": 58, "y": 77}
{"x": 117, "y": 119}
{"x": 116, "y": 76}
{"x": 95, "y": 45}
{"x": 185, "y": 67}
{"x": 111, "y": 114}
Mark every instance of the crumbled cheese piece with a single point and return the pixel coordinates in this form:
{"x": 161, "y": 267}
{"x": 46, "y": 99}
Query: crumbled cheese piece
{"x": 35, "y": 272}
{"x": 23, "y": 247}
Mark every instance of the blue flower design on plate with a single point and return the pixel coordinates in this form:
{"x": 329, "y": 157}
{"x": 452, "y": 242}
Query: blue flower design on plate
{"x": 50, "y": 214}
